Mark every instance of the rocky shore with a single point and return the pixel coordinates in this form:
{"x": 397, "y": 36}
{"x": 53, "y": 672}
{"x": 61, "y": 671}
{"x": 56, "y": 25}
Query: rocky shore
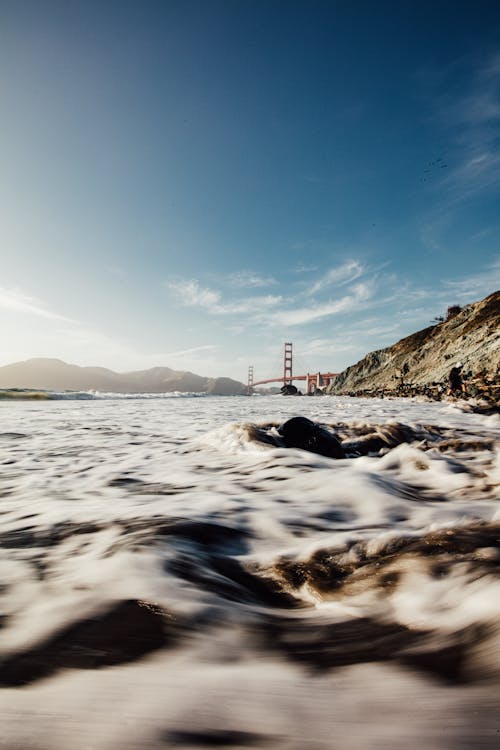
{"x": 419, "y": 365}
{"x": 481, "y": 398}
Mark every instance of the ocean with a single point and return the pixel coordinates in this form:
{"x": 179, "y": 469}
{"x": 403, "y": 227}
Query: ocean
{"x": 171, "y": 576}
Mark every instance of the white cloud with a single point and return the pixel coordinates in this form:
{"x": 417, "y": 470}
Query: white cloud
{"x": 360, "y": 293}
{"x": 17, "y": 301}
{"x": 250, "y": 279}
{"x": 474, "y": 287}
{"x": 251, "y": 304}
{"x": 302, "y": 268}
{"x": 393, "y": 293}
{"x": 326, "y": 346}
{"x": 270, "y": 309}
{"x": 433, "y": 300}
{"x": 478, "y": 171}
{"x": 191, "y": 294}
{"x": 192, "y": 351}
{"x": 338, "y": 276}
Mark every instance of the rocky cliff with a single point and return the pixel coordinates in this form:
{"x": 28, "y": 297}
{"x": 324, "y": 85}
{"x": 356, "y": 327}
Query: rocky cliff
{"x": 470, "y": 336}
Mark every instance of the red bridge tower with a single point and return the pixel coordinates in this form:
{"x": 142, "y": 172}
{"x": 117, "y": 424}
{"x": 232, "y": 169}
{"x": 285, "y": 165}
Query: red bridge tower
{"x": 287, "y": 364}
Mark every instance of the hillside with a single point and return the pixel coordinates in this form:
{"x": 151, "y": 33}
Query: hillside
{"x": 424, "y": 358}
{"x": 56, "y": 375}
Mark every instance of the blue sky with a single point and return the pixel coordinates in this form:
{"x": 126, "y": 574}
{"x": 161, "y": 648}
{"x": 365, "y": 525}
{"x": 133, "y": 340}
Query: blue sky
{"x": 191, "y": 183}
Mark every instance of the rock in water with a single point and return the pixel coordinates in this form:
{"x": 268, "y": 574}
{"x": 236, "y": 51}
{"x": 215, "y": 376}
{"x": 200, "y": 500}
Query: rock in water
{"x": 300, "y": 432}
{"x": 290, "y": 390}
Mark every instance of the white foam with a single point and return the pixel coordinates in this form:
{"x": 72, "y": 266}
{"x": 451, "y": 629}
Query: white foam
{"x": 124, "y": 465}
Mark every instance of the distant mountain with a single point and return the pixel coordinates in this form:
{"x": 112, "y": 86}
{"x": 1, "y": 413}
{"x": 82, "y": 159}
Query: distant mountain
{"x": 56, "y": 375}
{"x": 470, "y": 335}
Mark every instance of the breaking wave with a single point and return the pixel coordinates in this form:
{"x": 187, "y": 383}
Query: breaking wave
{"x": 174, "y": 559}
{"x": 37, "y": 395}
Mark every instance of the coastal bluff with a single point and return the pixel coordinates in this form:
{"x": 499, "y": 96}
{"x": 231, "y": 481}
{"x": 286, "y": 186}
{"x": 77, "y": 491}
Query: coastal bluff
{"x": 423, "y": 360}
{"x": 56, "y": 375}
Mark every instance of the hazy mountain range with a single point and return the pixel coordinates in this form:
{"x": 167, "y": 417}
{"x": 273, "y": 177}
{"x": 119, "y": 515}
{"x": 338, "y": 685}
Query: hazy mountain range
{"x": 56, "y": 375}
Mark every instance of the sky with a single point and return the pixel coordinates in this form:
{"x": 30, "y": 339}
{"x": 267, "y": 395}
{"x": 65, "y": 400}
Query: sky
{"x": 191, "y": 183}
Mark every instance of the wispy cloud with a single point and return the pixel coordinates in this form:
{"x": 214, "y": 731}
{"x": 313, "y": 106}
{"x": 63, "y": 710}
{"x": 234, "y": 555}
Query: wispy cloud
{"x": 471, "y": 124}
{"x": 249, "y": 305}
{"x": 338, "y": 276}
{"x": 473, "y": 119}
{"x": 303, "y": 268}
{"x": 481, "y": 103}
{"x": 326, "y": 346}
{"x": 88, "y": 346}
{"x": 479, "y": 171}
{"x": 380, "y": 330}
{"x": 427, "y": 301}
{"x": 433, "y": 227}
{"x": 193, "y": 350}
{"x": 475, "y": 286}
{"x": 191, "y": 294}
{"x": 17, "y": 301}
{"x": 249, "y": 279}
{"x": 359, "y": 294}
{"x": 274, "y": 309}
{"x": 382, "y": 291}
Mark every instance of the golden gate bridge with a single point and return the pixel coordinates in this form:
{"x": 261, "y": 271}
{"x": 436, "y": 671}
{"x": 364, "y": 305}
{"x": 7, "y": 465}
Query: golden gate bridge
{"x": 314, "y": 381}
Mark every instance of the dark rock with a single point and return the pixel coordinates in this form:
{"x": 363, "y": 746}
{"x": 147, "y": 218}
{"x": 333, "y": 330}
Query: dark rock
{"x": 300, "y": 432}
{"x": 290, "y": 390}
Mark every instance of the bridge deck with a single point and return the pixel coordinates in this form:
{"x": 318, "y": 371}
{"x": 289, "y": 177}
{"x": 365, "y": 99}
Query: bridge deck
{"x": 326, "y": 375}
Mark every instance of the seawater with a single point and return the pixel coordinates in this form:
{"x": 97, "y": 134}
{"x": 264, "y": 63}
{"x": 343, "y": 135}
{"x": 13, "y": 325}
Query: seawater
{"x": 170, "y": 579}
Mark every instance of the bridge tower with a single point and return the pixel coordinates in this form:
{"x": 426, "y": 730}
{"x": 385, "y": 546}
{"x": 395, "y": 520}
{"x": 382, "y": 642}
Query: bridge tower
{"x": 287, "y": 363}
{"x": 250, "y": 380}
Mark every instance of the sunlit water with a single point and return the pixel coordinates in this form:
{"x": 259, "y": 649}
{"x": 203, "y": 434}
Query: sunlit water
{"x": 169, "y": 579}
